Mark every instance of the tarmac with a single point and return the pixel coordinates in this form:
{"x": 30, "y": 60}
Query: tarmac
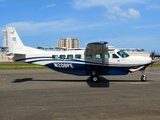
{"x": 44, "y": 94}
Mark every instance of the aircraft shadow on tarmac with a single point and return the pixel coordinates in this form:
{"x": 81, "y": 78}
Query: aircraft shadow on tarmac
{"x": 103, "y": 82}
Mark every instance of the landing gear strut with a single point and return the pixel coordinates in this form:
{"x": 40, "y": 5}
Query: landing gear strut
{"x": 143, "y": 77}
{"x": 94, "y": 77}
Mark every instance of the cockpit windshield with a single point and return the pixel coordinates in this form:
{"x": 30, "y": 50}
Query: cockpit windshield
{"x": 122, "y": 54}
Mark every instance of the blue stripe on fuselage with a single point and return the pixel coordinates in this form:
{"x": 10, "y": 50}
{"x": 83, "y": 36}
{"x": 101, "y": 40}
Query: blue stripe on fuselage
{"x": 83, "y": 69}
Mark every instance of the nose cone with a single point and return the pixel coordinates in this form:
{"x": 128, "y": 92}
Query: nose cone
{"x": 141, "y": 60}
{"x": 148, "y": 60}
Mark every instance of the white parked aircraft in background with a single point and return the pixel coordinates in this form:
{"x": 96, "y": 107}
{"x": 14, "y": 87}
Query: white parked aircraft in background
{"x": 97, "y": 59}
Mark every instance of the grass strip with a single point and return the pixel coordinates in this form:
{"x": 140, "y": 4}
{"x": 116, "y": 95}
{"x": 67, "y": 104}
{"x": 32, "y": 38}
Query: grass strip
{"x": 155, "y": 65}
{"x": 19, "y": 66}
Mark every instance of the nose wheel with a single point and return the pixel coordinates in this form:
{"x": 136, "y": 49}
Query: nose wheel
{"x": 143, "y": 77}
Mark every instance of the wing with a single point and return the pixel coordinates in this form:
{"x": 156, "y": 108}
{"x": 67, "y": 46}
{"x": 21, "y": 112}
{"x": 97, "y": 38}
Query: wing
{"x": 97, "y": 47}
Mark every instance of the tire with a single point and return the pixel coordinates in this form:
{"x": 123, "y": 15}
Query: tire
{"x": 143, "y": 78}
{"x": 95, "y": 79}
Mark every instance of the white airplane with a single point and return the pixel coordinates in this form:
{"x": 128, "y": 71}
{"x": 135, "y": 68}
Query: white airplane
{"x": 96, "y": 59}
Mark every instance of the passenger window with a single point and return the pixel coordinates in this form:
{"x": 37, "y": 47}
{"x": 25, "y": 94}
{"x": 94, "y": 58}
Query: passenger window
{"x": 98, "y": 56}
{"x": 88, "y": 56}
{"x": 55, "y": 57}
{"x": 107, "y": 55}
{"x": 70, "y": 57}
{"x": 62, "y": 56}
{"x": 78, "y": 56}
{"x": 114, "y": 56}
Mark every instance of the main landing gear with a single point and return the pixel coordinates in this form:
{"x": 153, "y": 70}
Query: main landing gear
{"x": 143, "y": 77}
{"x": 94, "y": 77}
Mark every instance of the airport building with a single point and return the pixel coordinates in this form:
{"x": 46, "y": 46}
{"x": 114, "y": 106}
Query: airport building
{"x": 63, "y": 44}
{"x": 5, "y": 38}
{"x": 4, "y": 48}
{"x": 4, "y": 57}
{"x": 68, "y": 43}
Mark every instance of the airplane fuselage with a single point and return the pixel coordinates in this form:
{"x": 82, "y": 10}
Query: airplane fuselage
{"x": 76, "y": 62}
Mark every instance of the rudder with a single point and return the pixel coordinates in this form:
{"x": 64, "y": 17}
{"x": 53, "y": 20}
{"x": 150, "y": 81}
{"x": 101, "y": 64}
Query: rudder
{"x": 14, "y": 42}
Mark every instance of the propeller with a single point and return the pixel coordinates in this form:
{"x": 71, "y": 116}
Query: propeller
{"x": 152, "y": 56}
{"x": 154, "y": 60}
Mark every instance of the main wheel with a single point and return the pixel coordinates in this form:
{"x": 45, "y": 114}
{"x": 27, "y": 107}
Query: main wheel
{"x": 95, "y": 79}
{"x": 143, "y": 78}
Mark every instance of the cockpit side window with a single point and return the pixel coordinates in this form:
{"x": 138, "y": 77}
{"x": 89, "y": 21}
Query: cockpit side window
{"x": 114, "y": 56}
{"x": 122, "y": 54}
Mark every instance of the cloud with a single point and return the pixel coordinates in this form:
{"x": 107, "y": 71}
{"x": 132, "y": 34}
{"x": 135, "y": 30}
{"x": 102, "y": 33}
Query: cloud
{"x": 82, "y": 4}
{"x": 154, "y": 7}
{"x": 133, "y": 13}
{"x": 66, "y": 25}
{"x": 32, "y": 28}
{"x": 116, "y": 12}
{"x": 113, "y": 7}
{"x": 149, "y": 43}
{"x": 48, "y": 6}
{"x": 148, "y": 26}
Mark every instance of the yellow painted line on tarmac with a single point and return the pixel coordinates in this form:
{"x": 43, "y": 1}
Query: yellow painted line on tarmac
{"x": 2, "y": 78}
{"x": 1, "y": 84}
{"x": 139, "y": 83}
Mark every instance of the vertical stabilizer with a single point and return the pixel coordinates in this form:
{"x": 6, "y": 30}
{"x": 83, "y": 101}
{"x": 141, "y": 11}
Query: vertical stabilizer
{"x": 14, "y": 42}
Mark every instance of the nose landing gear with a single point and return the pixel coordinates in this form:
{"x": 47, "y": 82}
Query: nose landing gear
{"x": 143, "y": 77}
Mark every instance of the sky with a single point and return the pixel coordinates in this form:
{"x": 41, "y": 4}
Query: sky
{"x": 122, "y": 23}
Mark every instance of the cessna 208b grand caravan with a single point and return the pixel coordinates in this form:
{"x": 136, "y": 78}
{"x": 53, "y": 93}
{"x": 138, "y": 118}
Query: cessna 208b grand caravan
{"x": 97, "y": 59}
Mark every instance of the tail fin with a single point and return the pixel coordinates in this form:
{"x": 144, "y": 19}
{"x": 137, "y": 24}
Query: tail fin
{"x": 14, "y": 42}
